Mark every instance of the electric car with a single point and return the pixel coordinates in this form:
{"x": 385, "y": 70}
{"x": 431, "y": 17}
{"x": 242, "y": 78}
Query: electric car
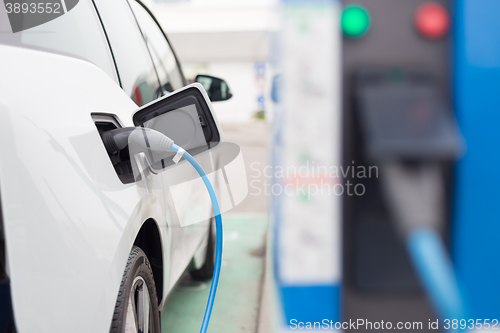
{"x": 84, "y": 245}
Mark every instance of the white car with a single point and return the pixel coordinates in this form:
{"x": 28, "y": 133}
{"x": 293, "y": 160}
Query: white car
{"x": 86, "y": 245}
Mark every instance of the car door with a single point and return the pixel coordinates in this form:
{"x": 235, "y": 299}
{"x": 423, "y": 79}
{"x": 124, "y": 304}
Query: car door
{"x": 147, "y": 68}
{"x": 139, "y": 79}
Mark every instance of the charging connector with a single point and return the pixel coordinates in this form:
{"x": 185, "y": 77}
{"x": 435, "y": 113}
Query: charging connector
{"x": 409, "y": 130}
{"x": 415, "y": 196}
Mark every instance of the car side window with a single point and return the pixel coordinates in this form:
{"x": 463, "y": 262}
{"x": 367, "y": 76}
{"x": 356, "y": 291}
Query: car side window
{"x": 135, "y": 67}
{"x": 164, "y": 59}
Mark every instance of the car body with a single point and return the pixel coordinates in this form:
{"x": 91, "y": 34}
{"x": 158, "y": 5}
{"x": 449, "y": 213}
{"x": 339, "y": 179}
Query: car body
{"x": 69, "y": 222}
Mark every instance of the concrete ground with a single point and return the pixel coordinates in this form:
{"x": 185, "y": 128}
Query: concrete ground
{"x": 240, "y": 304}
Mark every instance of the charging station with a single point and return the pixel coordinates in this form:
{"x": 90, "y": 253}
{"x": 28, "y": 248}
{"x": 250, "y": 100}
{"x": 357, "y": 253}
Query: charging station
{"x": 398, "y": 76}
{"x": 419, "y": 84}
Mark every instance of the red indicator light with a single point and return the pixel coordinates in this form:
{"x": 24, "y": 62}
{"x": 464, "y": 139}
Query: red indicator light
{"x": 432, "y": 20}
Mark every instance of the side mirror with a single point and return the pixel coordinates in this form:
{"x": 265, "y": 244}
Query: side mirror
{"x": 217, "y": 89}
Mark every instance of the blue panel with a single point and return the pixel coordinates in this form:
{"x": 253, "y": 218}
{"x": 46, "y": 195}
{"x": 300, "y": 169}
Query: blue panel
{"x": 311, "y": 303}
{"x": 476, "y": 228}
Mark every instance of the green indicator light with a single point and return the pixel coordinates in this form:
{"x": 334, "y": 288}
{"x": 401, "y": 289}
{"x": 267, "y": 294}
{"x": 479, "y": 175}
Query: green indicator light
{"x": 355, "y": 21}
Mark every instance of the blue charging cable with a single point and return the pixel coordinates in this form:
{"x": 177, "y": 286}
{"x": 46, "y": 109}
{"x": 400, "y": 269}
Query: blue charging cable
{"x": 218, "y": 227}
{"x": 435, "y": 270}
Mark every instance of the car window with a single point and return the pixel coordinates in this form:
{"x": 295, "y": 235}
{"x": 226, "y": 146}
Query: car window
{"x": 164, "y": 59}
{"x": 77, "y": 33}
{"x": 135, "y": 67}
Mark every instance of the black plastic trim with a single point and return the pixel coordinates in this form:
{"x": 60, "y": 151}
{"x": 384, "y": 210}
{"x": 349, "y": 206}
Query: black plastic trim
{"x": 109, "y": 44}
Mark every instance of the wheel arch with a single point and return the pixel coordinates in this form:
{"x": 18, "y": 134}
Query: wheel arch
{"x": 149, "y": 240}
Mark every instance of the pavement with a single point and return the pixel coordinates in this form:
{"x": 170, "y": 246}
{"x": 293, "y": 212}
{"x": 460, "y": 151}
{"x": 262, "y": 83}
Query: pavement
{"x": 241, "y": 301}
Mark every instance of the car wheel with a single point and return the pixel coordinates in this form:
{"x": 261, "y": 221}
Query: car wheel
{"x": 207, "y": 270}
{"x": 136, "y": 307}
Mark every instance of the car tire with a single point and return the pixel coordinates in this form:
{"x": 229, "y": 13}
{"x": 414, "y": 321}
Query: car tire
{"x": 206, "y": 271}
{"x": 136, "y": 297}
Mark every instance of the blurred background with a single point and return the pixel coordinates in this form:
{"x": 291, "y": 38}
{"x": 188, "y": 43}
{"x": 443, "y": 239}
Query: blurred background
{"x": 368, "y": 130}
